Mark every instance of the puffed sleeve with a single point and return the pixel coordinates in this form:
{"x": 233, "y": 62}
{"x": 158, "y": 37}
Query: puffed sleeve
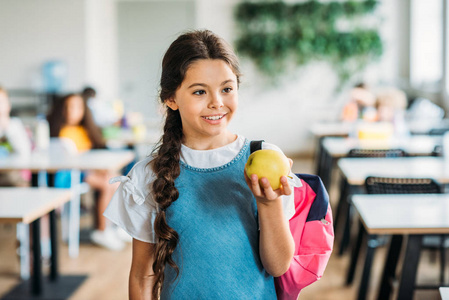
{"x": 132, "y": 207}
{"x": 288, "y": 201}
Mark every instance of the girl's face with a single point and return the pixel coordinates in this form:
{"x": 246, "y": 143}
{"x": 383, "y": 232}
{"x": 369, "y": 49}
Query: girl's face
{"x": 207, "y": 100}
{"x": 74, "y": 110}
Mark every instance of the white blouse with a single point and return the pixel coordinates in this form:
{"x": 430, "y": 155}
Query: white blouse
{"x": 132, "y": 207}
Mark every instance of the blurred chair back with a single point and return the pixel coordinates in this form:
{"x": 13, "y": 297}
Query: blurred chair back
{"x": 376, "y": 153}
{"x": 388, "y": 185}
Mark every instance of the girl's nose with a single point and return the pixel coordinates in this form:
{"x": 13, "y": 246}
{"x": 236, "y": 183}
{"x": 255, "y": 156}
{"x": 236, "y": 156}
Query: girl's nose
{"x": 215, "y": 101}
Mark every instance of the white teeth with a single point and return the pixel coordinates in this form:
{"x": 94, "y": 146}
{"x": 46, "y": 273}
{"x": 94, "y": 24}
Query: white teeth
{"x": 214, "y": 117}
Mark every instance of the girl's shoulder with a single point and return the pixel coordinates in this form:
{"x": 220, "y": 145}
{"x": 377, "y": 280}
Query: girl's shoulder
{"x": 141, "y": 173}
{"x": 136, "y": 184}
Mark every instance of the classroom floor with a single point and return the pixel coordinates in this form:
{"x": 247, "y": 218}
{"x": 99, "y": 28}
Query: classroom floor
{"x": 108, "y": 271}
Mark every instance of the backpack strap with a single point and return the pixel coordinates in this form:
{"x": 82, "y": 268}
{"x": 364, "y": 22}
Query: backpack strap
{"x": 255, "y": 145}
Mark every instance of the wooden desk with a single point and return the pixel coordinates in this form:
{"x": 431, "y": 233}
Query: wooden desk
{"x": 413, "y": 215}
{"x": 414, "y": 145}
{"x": 91, "y": 160}
{"x": 28, "y": 205}
{"x": 337, "y": 147}
{"x": 112, "y": 160}
{"x": 355, "y": 170}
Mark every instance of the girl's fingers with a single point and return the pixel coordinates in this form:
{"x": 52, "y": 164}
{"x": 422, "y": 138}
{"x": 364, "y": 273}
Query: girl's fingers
{"x": 286, "y": 188}
{"x": 268, "y": 190}
{"x": 255, "y": 186}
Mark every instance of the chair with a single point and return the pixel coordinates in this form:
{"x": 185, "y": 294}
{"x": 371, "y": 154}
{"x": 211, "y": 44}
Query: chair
{"x": 438, "y": 131}
{"x": 437, "y": 151}
{"x": 377, "y": 153}
{"x": 385, "y": 185}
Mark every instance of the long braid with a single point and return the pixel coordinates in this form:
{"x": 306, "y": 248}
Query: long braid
{"x": 166, "y": 168}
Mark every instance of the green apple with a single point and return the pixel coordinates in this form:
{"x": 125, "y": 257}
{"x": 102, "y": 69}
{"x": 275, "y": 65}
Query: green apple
{"x": 270, "y": 164}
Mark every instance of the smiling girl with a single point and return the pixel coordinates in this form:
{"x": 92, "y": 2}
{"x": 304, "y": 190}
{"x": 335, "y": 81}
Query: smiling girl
{"x": 201, "y": 228}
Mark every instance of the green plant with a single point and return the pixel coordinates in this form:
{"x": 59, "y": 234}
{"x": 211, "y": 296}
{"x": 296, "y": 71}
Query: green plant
{"x": 271, "y": 33}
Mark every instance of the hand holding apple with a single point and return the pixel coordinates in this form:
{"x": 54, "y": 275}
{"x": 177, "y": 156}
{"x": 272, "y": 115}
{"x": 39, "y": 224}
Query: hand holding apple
{"x": 270, "y": 164}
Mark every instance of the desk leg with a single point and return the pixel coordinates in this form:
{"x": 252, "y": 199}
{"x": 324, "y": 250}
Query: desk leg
{"x": 319, "y": 156}
{"x": 390, "y": 267}
{"x": 355, "y": 254}
{"x": 74, "y": 222}
{"x": 341, "y": 202}
{"x": 54, "y": 247}
{"x": 36, "y": 279}
{"x": 370, "y": 250}
{"x": 326, "y": 169}
{"x": 23, "y": 235}
{"x": 410, "y": 267}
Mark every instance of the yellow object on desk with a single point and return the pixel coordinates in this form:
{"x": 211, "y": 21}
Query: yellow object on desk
{"x": 375, "y": 131}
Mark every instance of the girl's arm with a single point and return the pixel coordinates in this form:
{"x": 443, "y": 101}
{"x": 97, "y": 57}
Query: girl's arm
{"x": 276, "y": 242}
{"x": 140, "y": 276}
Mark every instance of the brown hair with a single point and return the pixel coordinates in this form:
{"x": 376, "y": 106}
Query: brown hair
{"x": 186, "y": 49}
{"x": 57, "y": 118}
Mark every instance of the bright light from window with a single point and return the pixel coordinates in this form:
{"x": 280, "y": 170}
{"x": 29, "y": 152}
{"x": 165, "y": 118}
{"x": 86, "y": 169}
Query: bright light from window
{"x": 426, "y": 44}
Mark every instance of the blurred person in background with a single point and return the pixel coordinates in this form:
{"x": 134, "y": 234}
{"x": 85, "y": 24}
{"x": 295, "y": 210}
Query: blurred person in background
{"x": 361, "y": 104}
{"x": 13, "y": 139}
{"x": 390, "y": 102}
{"x": 71, "y": 118}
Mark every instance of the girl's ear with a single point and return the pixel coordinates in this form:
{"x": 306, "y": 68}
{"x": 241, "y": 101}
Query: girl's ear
{"x": 171, "y": 103}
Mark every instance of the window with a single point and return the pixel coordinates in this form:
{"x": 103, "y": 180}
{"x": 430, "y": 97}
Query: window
{"x": 426, "y": 45}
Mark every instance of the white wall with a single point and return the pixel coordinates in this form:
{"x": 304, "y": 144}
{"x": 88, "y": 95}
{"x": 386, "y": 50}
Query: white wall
{"x": 80, "y": 32}
{"x": 146, "y": 29}
{"x": 32, "y": 32}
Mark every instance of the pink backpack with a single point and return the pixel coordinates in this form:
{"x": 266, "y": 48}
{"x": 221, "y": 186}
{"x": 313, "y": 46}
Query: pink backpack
{"x": 313, "y": 233}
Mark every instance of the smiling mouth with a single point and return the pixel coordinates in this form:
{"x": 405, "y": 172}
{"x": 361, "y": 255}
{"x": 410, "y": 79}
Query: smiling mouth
{"x": 214, "y": 118}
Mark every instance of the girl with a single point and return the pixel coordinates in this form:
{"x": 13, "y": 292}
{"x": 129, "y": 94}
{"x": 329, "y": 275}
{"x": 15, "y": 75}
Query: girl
{"x": 70, "y": 118}
{"x": 201, "y": 231}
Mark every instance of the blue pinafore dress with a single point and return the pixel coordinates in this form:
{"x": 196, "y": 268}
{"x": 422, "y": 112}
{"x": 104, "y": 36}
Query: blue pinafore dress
{"x": 218, "y": 250}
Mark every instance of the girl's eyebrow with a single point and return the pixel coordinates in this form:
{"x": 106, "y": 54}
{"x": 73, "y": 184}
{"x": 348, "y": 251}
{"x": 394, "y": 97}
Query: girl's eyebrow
{"x": 205, "y": 85}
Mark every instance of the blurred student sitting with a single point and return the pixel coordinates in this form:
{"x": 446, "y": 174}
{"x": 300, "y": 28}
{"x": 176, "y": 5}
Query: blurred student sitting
{"x": 13, "y": 139}
{"x": 71, "y": 118}
{"x": 390, "y": 102}
{"x": 361, "y": 104}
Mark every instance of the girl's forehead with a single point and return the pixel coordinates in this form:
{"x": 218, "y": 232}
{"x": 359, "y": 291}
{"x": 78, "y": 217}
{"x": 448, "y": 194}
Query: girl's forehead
{"x": 209, "y": 70}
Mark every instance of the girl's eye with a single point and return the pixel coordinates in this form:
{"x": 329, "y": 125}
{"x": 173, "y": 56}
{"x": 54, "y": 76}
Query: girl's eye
{"x": 227, "y": 90}
{"x": 199, "y": 92}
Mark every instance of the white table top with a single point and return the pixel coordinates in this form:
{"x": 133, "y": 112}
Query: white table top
{"x": 357, "y": 169}
{"x": 27, "y": 204}
{"x": 414, "y": 145}
{"x": 444, "y": 292}
{"x": 404, "y": 214}
{"x": 90, "y": 160}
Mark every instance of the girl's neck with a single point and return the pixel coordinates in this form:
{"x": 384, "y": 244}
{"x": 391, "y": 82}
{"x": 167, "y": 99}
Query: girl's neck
{"x": 210, "y": 143}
